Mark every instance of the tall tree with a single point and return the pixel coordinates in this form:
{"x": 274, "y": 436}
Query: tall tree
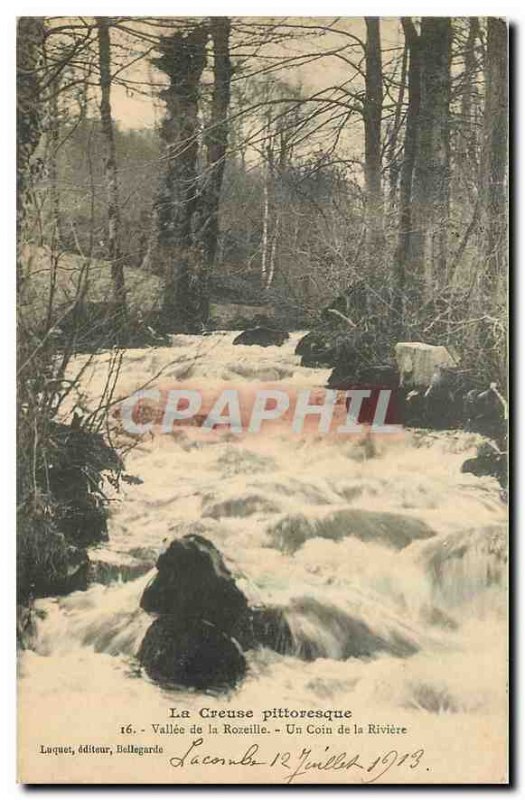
{"x": 110, "y": 167}
{"x": 172, "y": 251}
{"x": 402, "y": 253}
{"x": 52, "y": 158}
{"x": 216, "y": 140}
{"x": 392, "y": 144}
{"x": 372, "y": 113}
{"x": 466, "y": 150}
{"x": 430, "y": 203}
{"x": 29, "y": 76}
{"x": 494, "y": 155}
{"x": 276, "y": 154}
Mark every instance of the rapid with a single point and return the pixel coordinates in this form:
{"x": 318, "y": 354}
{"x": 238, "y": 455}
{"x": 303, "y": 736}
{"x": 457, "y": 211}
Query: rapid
{"x": 394, "y": 628}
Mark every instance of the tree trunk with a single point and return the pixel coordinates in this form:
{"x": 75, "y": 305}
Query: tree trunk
{"x": 216, "y": 139}
{"x": 29, "y": 64}
{"x": 51, "y": 154}
{"x": 54, "y": 141}
{"x": 393, "y": 143}
{"x": 494, "y": 156}
{"x": 466, "y": 142}
{"x": 268, "y": 154}
{"x": 172, "y": 252}
{"x": 273, "y": 254}
{"x": 266, "y": 226}
{"x": 402, "y": 254}
{"x": 372, "y": 113}
{"x": 432, "y": 170}
{"x": 110, "y": 171}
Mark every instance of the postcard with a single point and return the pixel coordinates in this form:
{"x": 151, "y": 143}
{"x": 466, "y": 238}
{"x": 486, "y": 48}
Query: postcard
{"x": 262, "y": 277}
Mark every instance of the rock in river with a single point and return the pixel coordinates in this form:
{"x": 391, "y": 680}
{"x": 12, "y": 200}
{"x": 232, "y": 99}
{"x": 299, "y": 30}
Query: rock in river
{"x": 392, "y": 530}
{"x": 263, "y": 336}
{"x": 197, "y": 655}
{"x": 193, "y": 582}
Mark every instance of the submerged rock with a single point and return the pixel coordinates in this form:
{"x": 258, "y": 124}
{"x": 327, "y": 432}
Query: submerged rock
{"x": 107, "y": 566}
{"x": 198, "y": 655}
{"x": 464, "y": 564}
{"x": 262, "y": 336}
{"x": 393, "y": 530}
{"x": 266, "y": 627}
{"x": 322, "y": 630}
{"x": 242, "y": 506}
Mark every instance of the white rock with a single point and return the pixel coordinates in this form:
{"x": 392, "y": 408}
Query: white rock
{"x": 418, "y": 361}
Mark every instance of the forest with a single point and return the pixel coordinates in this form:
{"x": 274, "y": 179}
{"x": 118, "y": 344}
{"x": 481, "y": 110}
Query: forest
{"x": 347, "y": 177}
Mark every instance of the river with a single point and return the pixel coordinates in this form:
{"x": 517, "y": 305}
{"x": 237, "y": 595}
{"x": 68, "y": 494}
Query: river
{"x": 437, "y": 607}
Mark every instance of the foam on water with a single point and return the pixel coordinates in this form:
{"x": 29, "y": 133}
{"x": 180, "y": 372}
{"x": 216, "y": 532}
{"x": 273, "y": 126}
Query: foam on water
{"x": 419, "y": 625}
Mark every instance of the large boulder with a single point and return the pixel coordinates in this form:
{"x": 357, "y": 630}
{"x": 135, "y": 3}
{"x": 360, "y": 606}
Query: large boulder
{"x": 444, "y": 399}
{"x": 197, "y": 655}
{"x": 487, "y": 413}
{"x": 489, "y": 460}
{"x": 449, "y": 402}
{"x": 383, "y": 376}
{"x": 417, "y": 362}
{"x": 204, "y": 621}
{"x": 192, "y": 583}
{"x": 262, "y": 336}
{"x": 337, "y": 346}
{"x": 317, "y": 348}
{"x": 434, "y": 389}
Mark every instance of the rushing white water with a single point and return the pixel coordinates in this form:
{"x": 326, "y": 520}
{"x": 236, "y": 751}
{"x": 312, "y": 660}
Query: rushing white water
{"x": 420, "y": 628}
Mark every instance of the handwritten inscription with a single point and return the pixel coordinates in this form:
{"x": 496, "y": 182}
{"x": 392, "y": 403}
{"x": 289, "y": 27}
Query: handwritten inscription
{"x": 293, "y": 765}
